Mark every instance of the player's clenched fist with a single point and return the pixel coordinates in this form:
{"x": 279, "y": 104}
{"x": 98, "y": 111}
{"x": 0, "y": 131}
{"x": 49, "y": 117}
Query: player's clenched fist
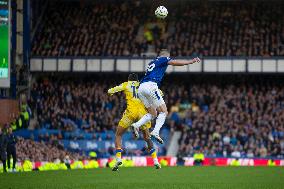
{"x": 196, "y": 60}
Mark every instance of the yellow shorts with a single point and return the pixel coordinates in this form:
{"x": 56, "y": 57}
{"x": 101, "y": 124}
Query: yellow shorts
{"x": 130, "y": 117}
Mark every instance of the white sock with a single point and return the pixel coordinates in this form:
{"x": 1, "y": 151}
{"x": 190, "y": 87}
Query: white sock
{"x": 118, "y": 159}
{"x": 147, "y": 117}
{"x": 159, "y": 122}
{"x": 156, "y": 161}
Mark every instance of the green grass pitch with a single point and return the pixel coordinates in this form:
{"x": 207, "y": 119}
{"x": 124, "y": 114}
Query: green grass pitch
{"x": 149, "y": 178}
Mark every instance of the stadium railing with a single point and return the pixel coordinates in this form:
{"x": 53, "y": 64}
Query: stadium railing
{"x": 132, "y": 64}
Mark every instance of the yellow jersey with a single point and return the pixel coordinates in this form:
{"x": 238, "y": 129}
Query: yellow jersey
{"x": 130, "y": 89}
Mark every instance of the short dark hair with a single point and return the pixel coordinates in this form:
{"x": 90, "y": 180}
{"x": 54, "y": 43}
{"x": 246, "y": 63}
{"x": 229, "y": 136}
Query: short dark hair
{"x": 133, "y": 77}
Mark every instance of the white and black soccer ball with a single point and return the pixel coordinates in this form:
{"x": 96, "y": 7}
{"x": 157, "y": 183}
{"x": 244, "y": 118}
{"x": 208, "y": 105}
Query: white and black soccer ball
{"x": 161, "y": 12}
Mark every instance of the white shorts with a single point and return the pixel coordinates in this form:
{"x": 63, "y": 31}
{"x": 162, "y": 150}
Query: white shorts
{"x": 150, "y": 95}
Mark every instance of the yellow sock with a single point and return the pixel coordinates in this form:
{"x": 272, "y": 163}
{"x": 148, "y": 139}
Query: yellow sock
{"x": 154, "y": 154}
{"x": 118, "y": 153}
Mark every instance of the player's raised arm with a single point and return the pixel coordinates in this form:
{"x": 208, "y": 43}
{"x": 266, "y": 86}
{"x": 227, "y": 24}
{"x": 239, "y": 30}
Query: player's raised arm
{"x": 116, "y": 89}
{"x": 184, "y": 62}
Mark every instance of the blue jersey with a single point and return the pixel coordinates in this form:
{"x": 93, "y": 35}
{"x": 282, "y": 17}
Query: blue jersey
{"x": 156, "y": 70}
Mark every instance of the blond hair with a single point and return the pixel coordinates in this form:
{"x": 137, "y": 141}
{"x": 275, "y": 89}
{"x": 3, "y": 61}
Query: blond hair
{"x": 164, "y": 52}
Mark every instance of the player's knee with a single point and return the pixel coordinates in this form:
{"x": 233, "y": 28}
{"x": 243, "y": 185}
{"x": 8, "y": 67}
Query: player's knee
{"x": 154, "y": 114}
{"x": 163, "y": 114}
{"x": 166, "y": 112}
{"x": 162, "y": 109}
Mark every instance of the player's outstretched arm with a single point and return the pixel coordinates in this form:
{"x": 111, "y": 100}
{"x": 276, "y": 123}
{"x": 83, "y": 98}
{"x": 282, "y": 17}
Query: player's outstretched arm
{"x": 184, "y": 62}
{"x": 116, "y": 89}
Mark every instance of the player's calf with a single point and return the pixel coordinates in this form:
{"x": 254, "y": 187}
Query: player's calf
{"x": 160, "y": 122}
{"x": 155, "y": 159}
{"x": 118, "y": 159}
{"x": 151, "y": 149}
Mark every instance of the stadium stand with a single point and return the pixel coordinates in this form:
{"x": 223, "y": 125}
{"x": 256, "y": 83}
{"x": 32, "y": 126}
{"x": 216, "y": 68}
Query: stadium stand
{"x": 240, "y": 118}
{"x": 80, "y": 116}
{"x": 220, "y": 29}
{"x": 41, "y": 151}
{"x": 202, "y": 107}
{"x": 233, "y": 116}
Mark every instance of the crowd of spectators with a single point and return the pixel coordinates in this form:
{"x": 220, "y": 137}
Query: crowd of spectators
{"x": 232, "y": 116}
{"x": 70, "y": 105}
{"x": 241, "y": 118}
{"x": 41, "y": 151}
{"x": 98, "y": 29}
{"x": 129, "y": 28}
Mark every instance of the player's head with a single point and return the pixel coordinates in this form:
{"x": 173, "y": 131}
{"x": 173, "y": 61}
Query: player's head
{"x": 133, "y": 77}
{"x": 164, "y": 52}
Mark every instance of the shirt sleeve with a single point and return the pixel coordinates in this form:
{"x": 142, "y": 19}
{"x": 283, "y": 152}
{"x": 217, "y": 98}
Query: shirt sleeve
{"x": 116, "y": 89}
{"x": 164, "y": 61}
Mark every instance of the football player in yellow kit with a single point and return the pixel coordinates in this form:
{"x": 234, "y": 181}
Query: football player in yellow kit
{"x": 134, "y": 111}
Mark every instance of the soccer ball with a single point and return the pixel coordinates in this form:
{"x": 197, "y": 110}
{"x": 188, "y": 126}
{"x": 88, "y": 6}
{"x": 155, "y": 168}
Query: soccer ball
{"x": 161, "y": 12}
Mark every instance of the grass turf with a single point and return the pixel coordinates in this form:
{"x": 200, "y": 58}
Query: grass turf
{"x": 148, "y": 178}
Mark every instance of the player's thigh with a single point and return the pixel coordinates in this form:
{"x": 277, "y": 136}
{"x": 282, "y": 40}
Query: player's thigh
{"x": 144, "y": 96}
{"x": 126, "y": 120}
{"x": 150, "y": 95}
{"x": 157, "y": 98}
{"x": 145, "y": 100}
{"x": 162, "y": 108}
{"x": 152, "y": 111}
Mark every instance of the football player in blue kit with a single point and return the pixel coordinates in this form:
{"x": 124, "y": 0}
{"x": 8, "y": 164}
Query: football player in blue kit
{"x": 150, "y": 95}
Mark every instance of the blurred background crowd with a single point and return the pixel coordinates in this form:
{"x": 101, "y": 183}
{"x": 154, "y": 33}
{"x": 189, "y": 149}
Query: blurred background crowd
{"x": 239, "y": 116}
{"x": 28, "y": 149}
{"x": 128, "y": 28}
{"x": 68, "y": 105}
{"x": 218, "y": 115}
